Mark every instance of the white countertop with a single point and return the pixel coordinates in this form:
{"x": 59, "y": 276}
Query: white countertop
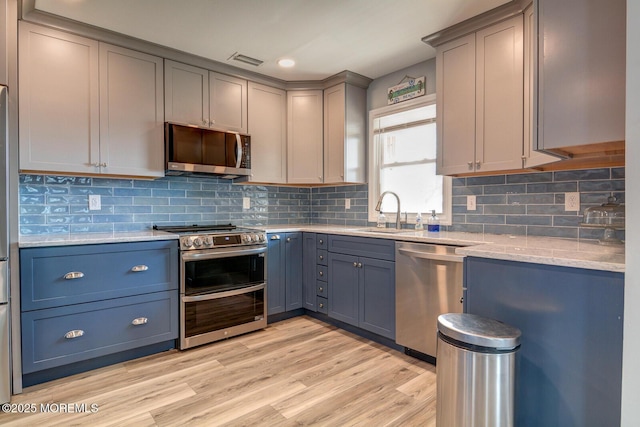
{"x": 588, "y": 254}
{"x": 33, "y": 241}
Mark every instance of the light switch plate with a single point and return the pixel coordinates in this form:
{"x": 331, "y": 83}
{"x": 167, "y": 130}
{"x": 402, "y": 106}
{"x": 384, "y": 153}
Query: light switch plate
{"x": 572, "y": 202}
{"x": 347, "y": 203}
{"x": 471, "y": 203}
{"x": 95, "y": 203}
{"x": 246, "y": 203}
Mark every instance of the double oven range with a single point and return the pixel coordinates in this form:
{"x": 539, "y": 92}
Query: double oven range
{"x": 222, "y": 282}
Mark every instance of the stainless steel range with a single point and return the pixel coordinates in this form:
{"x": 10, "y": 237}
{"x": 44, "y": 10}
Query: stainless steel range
{"x": 222, "y": 282}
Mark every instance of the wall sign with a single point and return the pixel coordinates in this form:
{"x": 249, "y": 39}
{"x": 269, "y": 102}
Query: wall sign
{"x": 409, "y": 89}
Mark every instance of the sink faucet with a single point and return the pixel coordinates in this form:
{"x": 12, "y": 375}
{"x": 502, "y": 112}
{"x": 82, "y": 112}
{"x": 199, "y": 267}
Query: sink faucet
{"x": 379, "y": 206}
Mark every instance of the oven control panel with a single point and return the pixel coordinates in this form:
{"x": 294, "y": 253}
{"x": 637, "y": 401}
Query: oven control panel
{"x": 207, "y": 241}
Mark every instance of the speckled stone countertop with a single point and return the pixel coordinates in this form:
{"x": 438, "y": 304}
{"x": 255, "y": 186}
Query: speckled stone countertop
{"x": 92, "y": 238}
{"x": 586, "y": 254}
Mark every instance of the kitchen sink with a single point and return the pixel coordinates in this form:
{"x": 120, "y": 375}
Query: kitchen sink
{"x": 383, "y": 230}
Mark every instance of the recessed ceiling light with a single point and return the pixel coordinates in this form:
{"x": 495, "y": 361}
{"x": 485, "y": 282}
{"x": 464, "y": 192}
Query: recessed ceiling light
{"x": 286, "y": 63}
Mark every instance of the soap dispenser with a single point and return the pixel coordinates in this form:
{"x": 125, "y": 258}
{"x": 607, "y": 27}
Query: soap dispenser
{"x": 433, "y": 223}
{"x": 419, "y": 225}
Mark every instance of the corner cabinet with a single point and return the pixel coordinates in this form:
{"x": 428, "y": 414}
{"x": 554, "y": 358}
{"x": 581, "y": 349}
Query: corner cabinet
{"x": 92, "y": 305}
{"x": 344, "y": 134}
{"x": 581, "y": 60}
{"x": 199, "y": 97}
{"x": 304, "y": 137}
{"x": 479, "y": 80}
{"x": 267, "y": 121}
{"x": 88, "y": 107}
{"x": 284, "y": 272}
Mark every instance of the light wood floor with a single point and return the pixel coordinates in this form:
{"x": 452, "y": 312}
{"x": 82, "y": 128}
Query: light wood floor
{"x": 297, "y": 372}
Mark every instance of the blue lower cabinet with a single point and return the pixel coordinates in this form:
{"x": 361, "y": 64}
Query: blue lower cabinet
{"x": 309, "y": 270}
{"x": 284, "y": 272}
{"x": 63, "y": 335}
{"x": 569, "y": 366}
{"x": 361, "y": 292}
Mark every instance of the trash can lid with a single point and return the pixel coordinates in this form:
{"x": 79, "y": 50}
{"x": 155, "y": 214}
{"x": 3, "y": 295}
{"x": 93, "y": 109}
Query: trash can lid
{"x": 478, "y": 330}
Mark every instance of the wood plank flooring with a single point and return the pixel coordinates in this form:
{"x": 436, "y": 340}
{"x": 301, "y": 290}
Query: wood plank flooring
{"x": 297, "y": 372}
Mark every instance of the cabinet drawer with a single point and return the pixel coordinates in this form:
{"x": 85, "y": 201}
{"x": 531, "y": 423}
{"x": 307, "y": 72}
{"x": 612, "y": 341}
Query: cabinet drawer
{"x": 322, "y": 305}
{"x": 321, "y": 289}
{"x": 107, "y": 327}
{"x": 58, "y": 276}
{"x": 321, "y": 241}
{"x": 321, "y": 257}
{"x": 321, "y": 272}
{"x": 363, "y": 246}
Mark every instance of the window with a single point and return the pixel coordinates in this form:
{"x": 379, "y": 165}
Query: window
{"x": 402, "y": 147}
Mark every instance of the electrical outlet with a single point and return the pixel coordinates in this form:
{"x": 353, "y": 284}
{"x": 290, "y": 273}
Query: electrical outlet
{"x": 347, "y": 203}
{"x": 572, "y": 202}
{"x": 246, "y": 203}
{"x": 95, "y": 204}
{"x": 471, "y": 203}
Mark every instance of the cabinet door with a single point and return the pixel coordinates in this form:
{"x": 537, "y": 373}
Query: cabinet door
{"x": 531, "y": 157}
{"x": 309, "y": 257}
{"x": 267, "y": 116}
{"x": 186, "y": 91}
{"x": 456, "y": 89}
{"x": 304, "y": 137}
{"x": 499, "y": 93}
{"x": 276, "y": 278}
{"x": 131, "y": 112}
{"x": 4, "y": 78}
{"x": 293, "y": 280}
{"x": 344, "y": 134}
{"x": 59, "y": 101}
{"x": 377, "y": 296}
{"x": 227, "y": 102}
{"x": 343, "y": 288}
{"x": 581, "y": 72}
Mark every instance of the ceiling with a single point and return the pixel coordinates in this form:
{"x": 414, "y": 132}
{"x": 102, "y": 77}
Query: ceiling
{"x": 324, "y": 37}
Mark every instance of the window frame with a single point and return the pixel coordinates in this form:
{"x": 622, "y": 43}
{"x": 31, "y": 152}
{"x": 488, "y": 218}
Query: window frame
{"x": 373, "y": 170}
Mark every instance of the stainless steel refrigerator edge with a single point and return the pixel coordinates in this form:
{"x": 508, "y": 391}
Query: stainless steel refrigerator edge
{"x": 429, "y": 282}
{"x": 5, "y": 371}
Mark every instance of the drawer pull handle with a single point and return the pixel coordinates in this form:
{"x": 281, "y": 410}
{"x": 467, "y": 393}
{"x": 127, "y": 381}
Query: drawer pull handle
{"x": 76, "y": 333}
{"x": 275, "y": 237}
{"x": 137, "y": 268}
{"x": 73, "y": 275}
{"x": 139, "y": 321}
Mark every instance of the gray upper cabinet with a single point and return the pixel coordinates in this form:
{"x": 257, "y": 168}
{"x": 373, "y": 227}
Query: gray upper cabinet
{"x": 304, "y": 137}
{"x": 131, "y": 112}
{"x": 59, "y": 101}
{"x": 267, "y": 116}
{"x": 580, "y": 73}
{"x": 195, "y": 96}
{"x": 344, "y": 134}
{"x": 479, "y": 82}
{"x": 186, "y": 92}
{"x": 88, "y": 107}
{"x": 4, "y": 78}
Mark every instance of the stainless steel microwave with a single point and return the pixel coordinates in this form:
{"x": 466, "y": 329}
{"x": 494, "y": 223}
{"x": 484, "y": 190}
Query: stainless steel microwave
{"x": 194, "y": 150}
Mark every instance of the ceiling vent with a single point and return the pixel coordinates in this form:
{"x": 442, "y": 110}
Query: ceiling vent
{"x": 246, "y": 59}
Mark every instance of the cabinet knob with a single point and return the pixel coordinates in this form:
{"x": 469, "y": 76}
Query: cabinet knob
{"x": 321, "y": 273}
{"x": 461, "y": 300}
{"x": 321, "y": 305}
{"x": 76, "y": 333}
{"x": 139, "y": 321}
{"x": 321, "y": 289}
{"x": 359, "y": 265}
{"x": 321, "y": 257}
{"x": 96, "y": 165}
{"x": 288, "y": 239}
{"x": 73, "y": 275}
{"x": 321, "y": 242}
{"x": 205, "y": 123}
{"x": 355, "y": 264}
{"x": 477, "y": 164}
{"x": 138, "y": 268}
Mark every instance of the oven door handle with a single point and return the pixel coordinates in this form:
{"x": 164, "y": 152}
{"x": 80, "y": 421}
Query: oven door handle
{"x": 204, "y": 255}
{"x": 225, "y": 294}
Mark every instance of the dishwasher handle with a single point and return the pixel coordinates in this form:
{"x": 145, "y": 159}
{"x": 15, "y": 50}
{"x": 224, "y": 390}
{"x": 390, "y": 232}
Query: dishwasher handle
{"x": 432, "y": 256}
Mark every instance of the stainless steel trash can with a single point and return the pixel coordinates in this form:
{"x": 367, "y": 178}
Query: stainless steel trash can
{"x": 475, "y": 369}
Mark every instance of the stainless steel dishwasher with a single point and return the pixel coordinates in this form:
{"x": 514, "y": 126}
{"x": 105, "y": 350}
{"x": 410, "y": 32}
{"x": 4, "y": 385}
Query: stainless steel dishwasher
{"x": 428, "y": 284}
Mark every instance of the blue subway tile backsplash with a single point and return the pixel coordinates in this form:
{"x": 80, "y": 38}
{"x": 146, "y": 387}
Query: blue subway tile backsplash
{"x": 523, "y": 204}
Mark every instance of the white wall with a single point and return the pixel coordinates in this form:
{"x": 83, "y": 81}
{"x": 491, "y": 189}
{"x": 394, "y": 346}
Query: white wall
{"x": 631, "y": 346}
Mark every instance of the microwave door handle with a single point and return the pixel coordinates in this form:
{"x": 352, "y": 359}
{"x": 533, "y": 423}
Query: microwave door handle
{"x": 238, "y": 151}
